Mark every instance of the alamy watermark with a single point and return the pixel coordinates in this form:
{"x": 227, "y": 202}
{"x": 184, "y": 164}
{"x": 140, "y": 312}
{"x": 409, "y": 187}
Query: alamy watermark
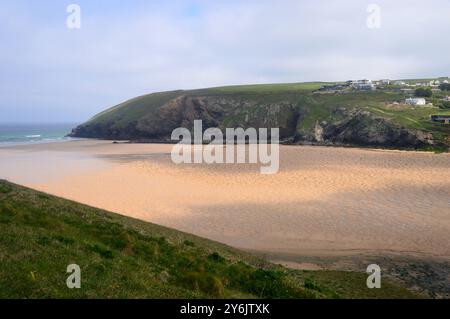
{"x": 235, "y": 146}
{"x": 74, "y": 279}
{"x": 73, "y": 20}
{"x": 373, "y": 21}
{"x": 374, "y": 279}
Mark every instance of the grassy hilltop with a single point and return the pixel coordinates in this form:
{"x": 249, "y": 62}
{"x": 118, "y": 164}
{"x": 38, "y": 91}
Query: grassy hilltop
{"x": 122, "y": 257}
{"x": 303, "y": 114}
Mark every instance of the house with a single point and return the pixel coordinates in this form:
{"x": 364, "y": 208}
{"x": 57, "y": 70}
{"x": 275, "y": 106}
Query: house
{"x": 446, "y": 98}
{"x": 399, "y": 83}
{"x": 433, "y": 83}
{"x": 363, "y": 85}
{"x": 385, "y": 81}
{"x": 416, "y": 101}
{"x": 440, "y": 119}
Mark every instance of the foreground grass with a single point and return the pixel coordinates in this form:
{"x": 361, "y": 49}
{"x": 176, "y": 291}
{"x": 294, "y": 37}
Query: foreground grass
{"x": 122, "y": 257}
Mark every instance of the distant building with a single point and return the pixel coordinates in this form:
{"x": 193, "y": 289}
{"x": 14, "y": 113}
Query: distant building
{"x": 385, "y": 81}
{"x": 363, "y": 85}
{"x": 434, "y": 83}
{"x": 416, "y": 101}
{"x": 399, "y": 83}
{"x": 440, "y": 118}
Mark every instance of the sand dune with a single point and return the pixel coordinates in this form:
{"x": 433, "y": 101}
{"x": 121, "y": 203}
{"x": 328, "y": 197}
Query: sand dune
{"x": 322, "y": 199}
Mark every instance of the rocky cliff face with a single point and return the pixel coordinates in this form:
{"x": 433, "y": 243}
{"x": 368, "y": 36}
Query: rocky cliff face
{"x": 365, "y": 129}
{"x": 342, "y": 127}
{"x": 183, "y": 110}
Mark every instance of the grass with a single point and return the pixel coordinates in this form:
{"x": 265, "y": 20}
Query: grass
{"x": 121, "y": 257}
{"x": 128, "y": 111}
{"x": 417, "y": 118}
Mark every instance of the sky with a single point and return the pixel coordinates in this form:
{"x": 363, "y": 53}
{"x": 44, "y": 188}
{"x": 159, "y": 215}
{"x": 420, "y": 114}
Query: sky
{"x": 52, "y": 73}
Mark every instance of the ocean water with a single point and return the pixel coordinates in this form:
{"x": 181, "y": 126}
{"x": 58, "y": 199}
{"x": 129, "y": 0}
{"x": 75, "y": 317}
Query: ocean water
{"x": 16, "y": 134}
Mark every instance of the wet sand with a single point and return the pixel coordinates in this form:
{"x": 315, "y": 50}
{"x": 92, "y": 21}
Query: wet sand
{"x": 323, "y": 200}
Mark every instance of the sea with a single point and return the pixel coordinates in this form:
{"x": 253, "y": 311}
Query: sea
{"x": 33, "y": 133}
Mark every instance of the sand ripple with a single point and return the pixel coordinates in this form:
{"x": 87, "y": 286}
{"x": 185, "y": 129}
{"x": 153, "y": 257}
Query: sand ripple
{"x": 322, "y": 198}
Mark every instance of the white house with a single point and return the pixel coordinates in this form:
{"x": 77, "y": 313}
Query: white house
{"x": 433, "y": 83}
{"x": 416, "y": 101}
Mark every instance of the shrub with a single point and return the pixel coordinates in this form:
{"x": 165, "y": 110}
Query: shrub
{"x": 216, "y": 257}
{"x": 311, "y": 284}
{"x": 206, "y": 283}
{"x": 423, "y": 92}
{"x": 267, "y": 283}
{"x": 64, "y": 240}
{"x": 189, "y": 243}
{"x": 5, "y": 188}
{"x": 7, "y": 213}
{"x": 445, "y": 105}
{"x": 145, "y": 250}
{"x": 103, "y": 252}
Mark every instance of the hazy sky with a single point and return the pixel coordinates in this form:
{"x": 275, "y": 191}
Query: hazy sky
{"x": 51, "y": 73}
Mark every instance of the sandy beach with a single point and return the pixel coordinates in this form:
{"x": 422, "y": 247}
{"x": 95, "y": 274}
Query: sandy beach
{"x": 322, "y": 201}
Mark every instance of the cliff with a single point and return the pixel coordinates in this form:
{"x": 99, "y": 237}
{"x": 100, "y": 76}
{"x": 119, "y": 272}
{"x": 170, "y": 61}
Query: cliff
{"x": 304, "y": 117}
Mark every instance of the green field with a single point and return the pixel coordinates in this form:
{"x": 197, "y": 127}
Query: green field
{"x": 120, "y": 257}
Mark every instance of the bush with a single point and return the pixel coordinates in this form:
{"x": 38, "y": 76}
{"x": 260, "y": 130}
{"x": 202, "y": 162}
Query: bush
{"x": 64, "y": 240}
{"x": 216, "y": 257}
{"x": 445, "y": 86}
{"x": 145, "y": 250}
{"x": 312, "y": 285}
{"x": 189, "y": 243}
{"x": 267, "y": 283}
{"x": 5, "y": 188}
{"x": 423, "y": 92}
{"x": 7, "y": 213}
{"x": 445, "y": 105}
{"x": 103, "y": 252}
{"x": 206, "y": 283}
